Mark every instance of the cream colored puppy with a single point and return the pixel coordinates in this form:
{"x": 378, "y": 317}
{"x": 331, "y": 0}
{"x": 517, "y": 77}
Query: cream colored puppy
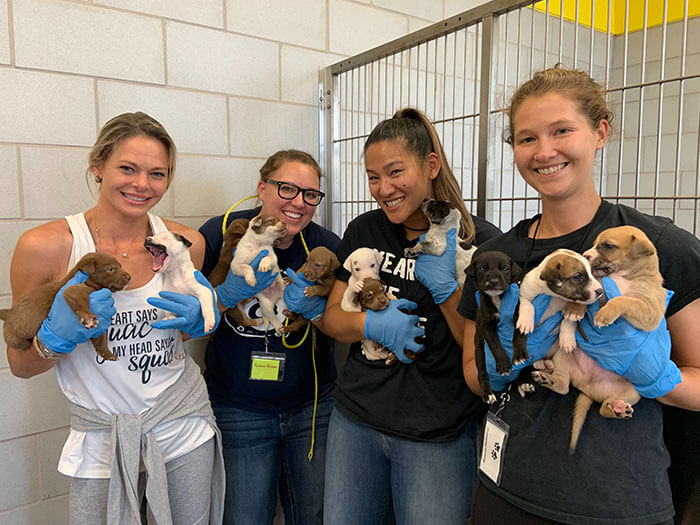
{"x": 363, "y": 263}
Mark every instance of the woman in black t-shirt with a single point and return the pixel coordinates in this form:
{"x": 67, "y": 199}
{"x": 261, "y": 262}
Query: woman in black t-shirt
{"x": 405, "y": 433}
{"x": 558, "y": 122}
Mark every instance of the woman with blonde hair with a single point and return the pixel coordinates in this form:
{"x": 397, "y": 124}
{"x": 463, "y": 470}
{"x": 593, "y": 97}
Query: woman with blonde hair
{"x": 144, "y": 409}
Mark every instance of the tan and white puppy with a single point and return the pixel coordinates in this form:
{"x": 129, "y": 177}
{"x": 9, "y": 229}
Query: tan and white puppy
{"x": 171, "y": 258}
{"x": 565, "y": 276}
{"x": 628, "y": 257}
{"x": 443, "y": 216}
{"x": 362, "y": 263}
{"x": 262, "y": 233}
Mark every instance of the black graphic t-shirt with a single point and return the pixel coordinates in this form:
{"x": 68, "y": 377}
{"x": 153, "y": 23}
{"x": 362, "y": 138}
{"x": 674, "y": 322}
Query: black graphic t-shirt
{"x": 424, "y": 401}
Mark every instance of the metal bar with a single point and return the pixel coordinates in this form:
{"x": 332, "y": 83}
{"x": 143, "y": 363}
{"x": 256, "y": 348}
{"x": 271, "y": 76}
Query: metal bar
{"x": 484, "y": 106}
{"x": 453, "y": 23}
{"x": 660, "y": 111}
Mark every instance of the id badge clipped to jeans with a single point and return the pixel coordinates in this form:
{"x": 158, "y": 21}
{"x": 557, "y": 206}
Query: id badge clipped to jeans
{"x": 267, "y": 366}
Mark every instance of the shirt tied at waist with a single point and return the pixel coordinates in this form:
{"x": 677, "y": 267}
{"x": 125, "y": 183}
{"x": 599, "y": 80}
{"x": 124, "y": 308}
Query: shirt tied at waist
{"x": 133, "y": 441}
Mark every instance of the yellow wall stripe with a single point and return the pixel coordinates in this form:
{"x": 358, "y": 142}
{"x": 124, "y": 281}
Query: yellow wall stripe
{"x": 635, "y": 12}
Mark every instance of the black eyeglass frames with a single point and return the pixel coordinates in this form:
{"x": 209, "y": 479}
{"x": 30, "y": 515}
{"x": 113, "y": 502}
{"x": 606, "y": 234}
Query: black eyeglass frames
{"x": 289, "y": 191}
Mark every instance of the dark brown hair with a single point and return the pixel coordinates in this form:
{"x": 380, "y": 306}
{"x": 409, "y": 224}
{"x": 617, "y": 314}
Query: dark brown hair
{"x": 416, "y": 133}
{"x": 275, "y": 160}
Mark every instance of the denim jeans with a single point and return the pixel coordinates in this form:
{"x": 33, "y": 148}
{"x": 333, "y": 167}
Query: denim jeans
{"x": 368, "y": 471}
{"x": 267, "y": 452}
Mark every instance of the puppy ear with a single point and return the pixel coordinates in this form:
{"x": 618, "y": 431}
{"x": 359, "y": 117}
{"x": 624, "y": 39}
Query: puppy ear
{"x": 348, "y": 263}
{"x": 356, "y": 298}
{"x": 182, "y": 239}
{"x": 640, "y": 247}
{"x": 333, "y": 263}
{"x": 470, "y": 270}
{"x": 516, "y": 272}
{"x": 88, "y": 263}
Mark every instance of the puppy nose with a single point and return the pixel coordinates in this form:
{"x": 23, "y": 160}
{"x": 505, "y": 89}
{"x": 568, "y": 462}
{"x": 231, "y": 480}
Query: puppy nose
{"x": 598, "y": 292}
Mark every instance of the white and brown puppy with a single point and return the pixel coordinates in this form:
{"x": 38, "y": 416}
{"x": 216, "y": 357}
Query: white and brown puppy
{"x": 171, "y": 258}
{"x": 363, "y": 263}
{"x": 262, "y": 233}
{"x": 374, "y": 296}
{"x": 443, "y": 216}
{"x": 628, "y": 257}
{"x": 565, "y": 276}
{"x": 23, "y": 320}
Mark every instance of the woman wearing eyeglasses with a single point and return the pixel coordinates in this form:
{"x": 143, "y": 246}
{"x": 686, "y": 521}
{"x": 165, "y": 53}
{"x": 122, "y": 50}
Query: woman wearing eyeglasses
{"x": 267, "y": 419}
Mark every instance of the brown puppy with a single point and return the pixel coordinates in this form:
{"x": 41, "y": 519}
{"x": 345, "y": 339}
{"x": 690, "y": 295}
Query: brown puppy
{"x": 233, "y": 234}
{"x": 320, "y": 267}
{"x": 373, "y": 296}
{"x": 627, "y": 256}
{"x": 23, "y": 320}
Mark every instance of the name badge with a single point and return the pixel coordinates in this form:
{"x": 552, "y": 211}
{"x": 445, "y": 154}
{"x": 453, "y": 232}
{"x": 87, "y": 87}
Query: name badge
{"x": 493, "y": 447}
{"x": 267, "y": 366}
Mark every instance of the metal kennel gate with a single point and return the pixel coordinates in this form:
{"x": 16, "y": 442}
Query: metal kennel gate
{"x": 462, "y": 71}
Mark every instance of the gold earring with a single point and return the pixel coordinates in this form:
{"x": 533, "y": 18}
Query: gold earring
{"x": 98, "y": 179}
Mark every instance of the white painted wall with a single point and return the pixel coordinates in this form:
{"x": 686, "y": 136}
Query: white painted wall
{"x": 231, "y": 80}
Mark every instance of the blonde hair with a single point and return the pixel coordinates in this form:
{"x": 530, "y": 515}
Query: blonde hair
{"x": 417, "y": 134}
{"x": 276, "y": 160}
{"x": 572, "y": 83}
{"x": 125, "y": 126}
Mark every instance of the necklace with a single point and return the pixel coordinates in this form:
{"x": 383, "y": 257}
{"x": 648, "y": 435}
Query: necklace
{"x": 416, "y": 229}
{"x": 120, "y": 251}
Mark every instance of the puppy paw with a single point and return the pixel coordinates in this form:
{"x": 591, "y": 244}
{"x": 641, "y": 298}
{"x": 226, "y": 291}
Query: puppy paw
{"x": 620, "y": 409}
{"x": 605, "y": 317}
{"x": 488, "y": 397}
{"x": 309, "y": 292}
{"x": 503, "y": 367}
{"x": 357, "y": 286}
{"x": 411, "y": 252}
{"x": 567, "y": 343}
{"x": 520, "y": 356}
{"x": 525, "y": 389}
{"x": 89, "y": 321}
{"x": 574, "y": 311}
{"x": 525, "y": 326}
{"x": 265, "y": 264}
{"x": 542, "y": 378}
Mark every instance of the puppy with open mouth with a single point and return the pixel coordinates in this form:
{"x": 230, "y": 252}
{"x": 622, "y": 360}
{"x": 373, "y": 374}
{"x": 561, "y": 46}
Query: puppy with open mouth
{"x": 171, "y": 258}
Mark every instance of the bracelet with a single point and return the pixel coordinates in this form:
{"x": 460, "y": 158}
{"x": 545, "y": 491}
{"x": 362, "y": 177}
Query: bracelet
{"x": 317, "y": 318}
{"x": 44, "y": 351}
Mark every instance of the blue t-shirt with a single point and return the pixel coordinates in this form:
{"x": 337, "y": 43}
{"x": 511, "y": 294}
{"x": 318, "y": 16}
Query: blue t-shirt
{"x": 228, "y": 354}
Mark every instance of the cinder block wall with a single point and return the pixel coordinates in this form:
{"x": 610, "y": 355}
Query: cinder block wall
{"x": 232, "y": 81}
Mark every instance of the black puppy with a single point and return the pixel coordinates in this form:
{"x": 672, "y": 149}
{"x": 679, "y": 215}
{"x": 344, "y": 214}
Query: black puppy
{"x": 493, "y": 273}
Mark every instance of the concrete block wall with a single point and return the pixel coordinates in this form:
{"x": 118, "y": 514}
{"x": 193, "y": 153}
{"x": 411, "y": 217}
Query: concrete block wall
{"x": 231, "y": 80}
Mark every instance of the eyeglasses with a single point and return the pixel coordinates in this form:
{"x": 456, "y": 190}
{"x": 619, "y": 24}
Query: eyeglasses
{"x": 289, "y": 191}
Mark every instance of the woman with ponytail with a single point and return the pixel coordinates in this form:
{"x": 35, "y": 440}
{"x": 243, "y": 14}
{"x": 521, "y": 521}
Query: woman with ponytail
{"x": 402, "y": 437}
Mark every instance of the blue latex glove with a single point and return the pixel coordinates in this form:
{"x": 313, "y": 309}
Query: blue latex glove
{"x": 538, "y": 342}
{"x": 644, "y": 358}
{"x": 61, "y": 331}
{"x": 437, "y": 272}
{"x": 187, "y": 309}
{"x": 297, "y": 302}
{"x": 234, "y": 289}
{"x": 395, "y": 329}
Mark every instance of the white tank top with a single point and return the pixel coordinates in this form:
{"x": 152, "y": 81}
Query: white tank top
{"x": 130, "y": 385}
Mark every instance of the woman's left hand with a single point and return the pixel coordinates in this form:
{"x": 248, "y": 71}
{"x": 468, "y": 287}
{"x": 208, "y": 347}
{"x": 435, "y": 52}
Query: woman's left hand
{"x": 187, "y": 309}
{"x": 437, "y": 272}
{"x": 308, "y": 307}
{"x": 644, "y": 358}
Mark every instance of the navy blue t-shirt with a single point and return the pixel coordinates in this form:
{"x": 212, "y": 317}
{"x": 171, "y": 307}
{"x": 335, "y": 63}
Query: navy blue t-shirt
{"x": 228, "y": 354}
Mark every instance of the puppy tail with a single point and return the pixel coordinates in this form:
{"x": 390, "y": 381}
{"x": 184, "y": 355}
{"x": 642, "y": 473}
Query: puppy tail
{"x": 4, "y": 313}
{"x": 583, "y": 404}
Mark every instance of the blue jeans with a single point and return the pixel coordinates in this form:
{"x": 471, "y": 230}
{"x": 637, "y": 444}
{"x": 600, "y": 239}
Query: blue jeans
{"x": 367, "y": 471}
{"x": 267, "y": 452}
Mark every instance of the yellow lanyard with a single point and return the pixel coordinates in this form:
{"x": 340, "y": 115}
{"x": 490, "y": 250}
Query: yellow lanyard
{"x": 284, "y": 340}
